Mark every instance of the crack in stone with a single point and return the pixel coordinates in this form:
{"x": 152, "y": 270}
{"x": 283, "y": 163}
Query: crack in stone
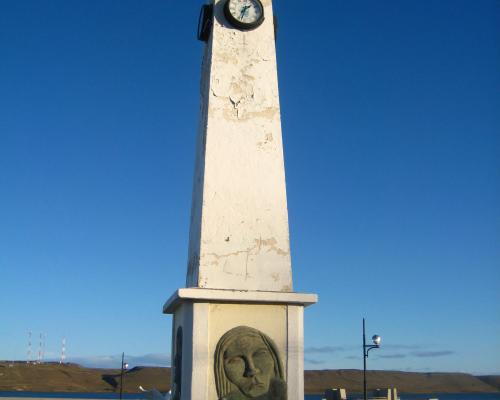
{"x": 271, "y": 244}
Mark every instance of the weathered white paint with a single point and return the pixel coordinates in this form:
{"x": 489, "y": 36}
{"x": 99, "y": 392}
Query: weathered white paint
{"x": 239, "y": 270}
{"x": 236, "y": 296}
{"x": 184, "y": 318}
{"x": 295, "y": 354}
{"x": 193, "y": 318}
{"x": 204, "y": 320}
{"x": 204, "y": 324}
{"x": 201, "y": 360}
{"x": 239, "y": 235}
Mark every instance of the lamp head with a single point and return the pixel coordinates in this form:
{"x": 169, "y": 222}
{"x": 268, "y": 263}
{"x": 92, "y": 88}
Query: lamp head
{"x": 125, "y": 366}
{"x": 376, "y": 339}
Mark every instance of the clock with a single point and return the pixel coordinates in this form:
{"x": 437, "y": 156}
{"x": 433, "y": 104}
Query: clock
{"x": 244, "y": 14}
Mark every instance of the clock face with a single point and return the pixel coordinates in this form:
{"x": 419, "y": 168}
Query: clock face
{"x": 244, "y": 14}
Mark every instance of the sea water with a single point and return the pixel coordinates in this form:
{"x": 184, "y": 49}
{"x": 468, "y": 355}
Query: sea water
{"x": 133, "y": 396}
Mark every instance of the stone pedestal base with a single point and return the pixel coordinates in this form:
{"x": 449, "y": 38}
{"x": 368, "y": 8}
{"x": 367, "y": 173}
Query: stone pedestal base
{"x": 223, "y": 339}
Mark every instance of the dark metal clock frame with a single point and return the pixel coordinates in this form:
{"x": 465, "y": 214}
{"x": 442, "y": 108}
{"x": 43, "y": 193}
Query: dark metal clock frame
{"x": 242, "y": 25}
{"x": 205, "y": 22}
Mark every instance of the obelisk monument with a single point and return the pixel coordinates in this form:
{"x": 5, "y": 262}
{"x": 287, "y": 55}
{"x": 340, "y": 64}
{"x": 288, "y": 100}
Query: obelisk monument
{"x": 238, "y": 326}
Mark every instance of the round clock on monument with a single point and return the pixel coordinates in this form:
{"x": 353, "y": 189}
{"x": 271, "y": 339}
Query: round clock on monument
{"x": 244, "y": 14}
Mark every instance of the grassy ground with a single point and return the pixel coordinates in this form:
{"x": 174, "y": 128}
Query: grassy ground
{"x": 73, "y": 378}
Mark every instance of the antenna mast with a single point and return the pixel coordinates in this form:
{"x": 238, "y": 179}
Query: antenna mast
{"x": 63, "y": 351}
{"x": 41, "y": 348}
{"x": 39, "y": 358}
{"x": 43, "y": 345}
{"x": 29, "y": 347}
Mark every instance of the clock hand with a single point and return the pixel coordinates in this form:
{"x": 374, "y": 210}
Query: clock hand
{"x": 244, "y": 11}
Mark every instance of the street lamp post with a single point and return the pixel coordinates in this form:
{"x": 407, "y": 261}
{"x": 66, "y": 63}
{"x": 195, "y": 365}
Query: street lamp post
{"x": 366, "y": 348}
{"x": 124, "y": 367}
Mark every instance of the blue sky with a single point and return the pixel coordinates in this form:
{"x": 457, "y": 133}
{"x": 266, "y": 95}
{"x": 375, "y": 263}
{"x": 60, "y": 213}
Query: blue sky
{"x": 391, "y": 133}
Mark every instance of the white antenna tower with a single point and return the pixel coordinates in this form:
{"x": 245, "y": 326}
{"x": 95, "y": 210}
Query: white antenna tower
{"x": 63, "y": 351}
{"x": 43, "y": 345}
{"x": 29, "y": 347}
{"x": 40, "y": 344}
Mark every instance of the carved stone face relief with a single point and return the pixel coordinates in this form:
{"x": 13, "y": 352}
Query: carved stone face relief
{"x": 248, "y": 366}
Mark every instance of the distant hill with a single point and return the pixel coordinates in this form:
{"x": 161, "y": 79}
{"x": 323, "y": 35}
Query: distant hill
{"x": 493, "y": 380}
{"x": 406, "y": 382}
{"x": 74, "y": 378}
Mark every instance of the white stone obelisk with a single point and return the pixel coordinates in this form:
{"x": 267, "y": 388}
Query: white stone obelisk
{"x": 239, "y": 266}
